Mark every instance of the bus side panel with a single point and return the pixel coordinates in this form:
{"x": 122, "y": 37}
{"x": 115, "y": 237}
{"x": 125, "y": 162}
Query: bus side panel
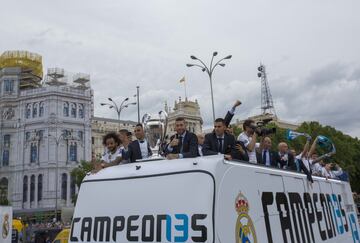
{"x": 272, "y": 206}
{"x": 239, "y": 215}
{"x": 175, "y": 207}
{"x": 345, "y": 213}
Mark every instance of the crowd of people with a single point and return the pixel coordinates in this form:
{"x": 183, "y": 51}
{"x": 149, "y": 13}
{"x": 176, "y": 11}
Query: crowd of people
{"x": 251, "y": 145}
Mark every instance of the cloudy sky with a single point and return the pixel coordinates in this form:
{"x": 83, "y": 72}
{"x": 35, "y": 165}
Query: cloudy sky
{"x": 311, "y": 50}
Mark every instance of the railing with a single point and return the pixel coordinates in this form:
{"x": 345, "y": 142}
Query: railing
{"x": 67, "y": 89}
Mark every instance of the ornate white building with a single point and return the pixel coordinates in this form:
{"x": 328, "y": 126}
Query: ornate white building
{"x": 45, "y": 132}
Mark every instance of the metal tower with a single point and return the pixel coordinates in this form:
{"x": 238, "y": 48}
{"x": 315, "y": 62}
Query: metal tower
{"x": 267, "y": 104}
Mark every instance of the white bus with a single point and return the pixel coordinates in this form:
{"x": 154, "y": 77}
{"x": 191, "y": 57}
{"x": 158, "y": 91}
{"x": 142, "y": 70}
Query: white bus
{"x": 209, "y": 199}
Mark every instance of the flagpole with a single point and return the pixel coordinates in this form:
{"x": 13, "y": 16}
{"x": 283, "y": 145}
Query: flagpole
{"x": 185, "y": 89}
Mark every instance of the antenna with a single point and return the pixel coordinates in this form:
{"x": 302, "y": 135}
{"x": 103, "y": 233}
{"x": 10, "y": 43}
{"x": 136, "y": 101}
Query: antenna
{"x": 267, "y": 104}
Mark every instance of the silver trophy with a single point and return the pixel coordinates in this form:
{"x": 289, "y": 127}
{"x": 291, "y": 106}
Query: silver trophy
{"x": 155, "y": 127}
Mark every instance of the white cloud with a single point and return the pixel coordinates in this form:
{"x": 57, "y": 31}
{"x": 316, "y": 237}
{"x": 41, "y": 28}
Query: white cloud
{"x": 310, "y": 48}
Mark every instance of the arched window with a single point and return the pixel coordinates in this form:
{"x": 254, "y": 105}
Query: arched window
{"x": 81, "y": 111}
{"x": 33, "y": 153}
{"x": 41, "y": 109}
{"x": 63, "y": 186}
{"x": 25, "y": 189}
{"x": 35, "y": 110}
{"x": 66, "y": 109}
{"x": 9, "y": 86}
{"x": 73, "y": 110}
{"x": 40, "y": 187}
{"x": 6, "y": 150}
{"x": 6, "y": 157}
{"x": 7, "y": 140}
{"x": 81, "y": 135}
{"x": 32, "y": 188}
{"x": 27, "y": 136}
{"x": 28, "y": 111}
{"x": 4, "y": 184}
{"x": 73, "y": 152}
{"x": 72, "y": 187}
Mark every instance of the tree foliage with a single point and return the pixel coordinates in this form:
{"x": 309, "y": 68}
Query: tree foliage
{"x": 4, "y": 202}
{"x": 79, "y": 173}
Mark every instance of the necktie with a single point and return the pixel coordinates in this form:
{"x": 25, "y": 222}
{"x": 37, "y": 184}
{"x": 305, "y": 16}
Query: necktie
{"x": 180, "y": 144}
{"x": 264, "y": 157}
{"x": 220, "y": 149}
{"x": 141, "y": 141}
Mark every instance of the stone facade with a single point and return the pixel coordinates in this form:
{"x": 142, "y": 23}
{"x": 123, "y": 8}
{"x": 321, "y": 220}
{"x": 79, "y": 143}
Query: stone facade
{"x": 45, "y": 131}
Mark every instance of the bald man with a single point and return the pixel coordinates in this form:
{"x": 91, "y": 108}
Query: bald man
{"x": 264, "y": 155}
{"x": 284, "y": 157}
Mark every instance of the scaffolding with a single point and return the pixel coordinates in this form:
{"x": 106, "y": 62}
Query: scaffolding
{"x": 55, "y": 77}
{"x": 82, "y": 80}
{"x": 30, "y": 64}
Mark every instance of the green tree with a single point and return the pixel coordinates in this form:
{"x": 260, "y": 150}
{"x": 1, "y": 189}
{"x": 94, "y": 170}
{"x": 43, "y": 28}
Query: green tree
{"x": 79, "y": 173}
{"x": 4, "y": 202}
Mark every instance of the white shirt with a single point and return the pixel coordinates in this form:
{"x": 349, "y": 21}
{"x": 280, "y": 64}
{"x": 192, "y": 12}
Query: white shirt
{"x": 144, "y": 149}
{"x": 267, "y": 156}
{"x": 243, "y": 137}
{"x": 307, "y": 163}
{"x": 317, "y": 168}
{"x": 109, "y": 157}
{"x": 200, "y": 150}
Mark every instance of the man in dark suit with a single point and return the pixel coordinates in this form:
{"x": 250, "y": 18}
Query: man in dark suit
{"x": 264, "y": 155}
{"x": 221, "y": 142}
{"x": 140, "y": 148}
{"x": 183, "y": 144}
{"x": 284, "y": 157}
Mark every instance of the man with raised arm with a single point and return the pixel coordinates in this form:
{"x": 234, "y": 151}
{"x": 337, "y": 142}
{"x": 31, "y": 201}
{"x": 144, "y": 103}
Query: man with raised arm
{"x": 220, "y": 142}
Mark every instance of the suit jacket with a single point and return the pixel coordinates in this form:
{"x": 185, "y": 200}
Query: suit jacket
{"x": 228, "y": 118}
{"x": 259, "y": 158}
{"x": 189, "y": 145}
{"x": 134, "y": 151}
{"x": 290, "y": 162}
{"x": 211, "y": 147}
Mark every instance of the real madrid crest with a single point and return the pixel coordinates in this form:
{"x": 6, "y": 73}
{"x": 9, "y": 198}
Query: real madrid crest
{"x": 245, "y": 231}
{"x": 5, "y": 226}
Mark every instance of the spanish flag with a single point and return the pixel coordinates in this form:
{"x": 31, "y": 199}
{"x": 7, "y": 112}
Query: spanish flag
{"x": 182, "y": 80}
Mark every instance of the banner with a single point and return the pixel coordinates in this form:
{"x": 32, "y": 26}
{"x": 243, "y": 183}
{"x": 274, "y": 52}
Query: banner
{"x": 5, "y": 224}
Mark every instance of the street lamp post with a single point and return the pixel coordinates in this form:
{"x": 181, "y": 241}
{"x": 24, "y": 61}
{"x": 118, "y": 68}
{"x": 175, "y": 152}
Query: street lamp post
{"x": 209, "y": 70}
{"x": 138, "y": 101}
{"x": 118, "y": 108}
{"x": 64, "y": 137}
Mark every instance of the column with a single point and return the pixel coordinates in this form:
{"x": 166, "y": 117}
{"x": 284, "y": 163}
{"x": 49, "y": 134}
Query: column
{"x": 36, "y": 192}
{"x": 68, "y": 197}
{"x": 28, "y": 192}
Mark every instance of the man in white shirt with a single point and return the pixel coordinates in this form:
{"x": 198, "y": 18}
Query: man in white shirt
{"x": 112, "y": 155}
{"x": 331, "y": 171}
{"x": 201, "y": 139}
{"x": 248, "y": 138}
{"x": 264, "y": 155}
